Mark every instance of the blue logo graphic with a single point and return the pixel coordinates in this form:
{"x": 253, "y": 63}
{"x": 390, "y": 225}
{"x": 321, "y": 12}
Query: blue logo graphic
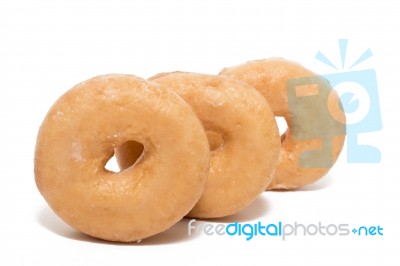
{"x": 359, "y": 100}
{"x": 310, "y": 118}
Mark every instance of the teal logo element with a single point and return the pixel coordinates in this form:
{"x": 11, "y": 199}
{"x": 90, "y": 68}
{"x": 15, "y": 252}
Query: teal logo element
{"x": 358, "y": 93}
{"x": 310, "y": 118}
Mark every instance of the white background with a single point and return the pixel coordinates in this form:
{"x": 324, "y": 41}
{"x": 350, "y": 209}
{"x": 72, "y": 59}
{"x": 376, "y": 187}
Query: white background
{"x": 48, "y": 46}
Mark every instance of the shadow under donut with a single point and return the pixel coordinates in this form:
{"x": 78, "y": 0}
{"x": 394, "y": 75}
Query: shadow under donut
{"x": 50, "y": 221}
{"x": 256, "y": 210}
{"x": 320, "y": 184}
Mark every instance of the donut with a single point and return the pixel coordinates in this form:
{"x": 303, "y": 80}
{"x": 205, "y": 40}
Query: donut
{"x": 78, "y": 136}
{"x": 312, "y": 110}
{"x": 243, "y": 135}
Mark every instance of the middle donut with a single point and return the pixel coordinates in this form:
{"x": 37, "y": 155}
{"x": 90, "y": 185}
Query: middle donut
{"x": 243, "y": 136}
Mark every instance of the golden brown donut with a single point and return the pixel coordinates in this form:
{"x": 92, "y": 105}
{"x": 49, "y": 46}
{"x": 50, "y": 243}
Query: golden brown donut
{"x": 243, "y": 136}
{"x": 79, "y": 135}
{"x": 315, "y": 136}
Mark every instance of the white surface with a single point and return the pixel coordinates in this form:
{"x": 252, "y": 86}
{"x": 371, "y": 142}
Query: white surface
{"x": 48, "y": 46}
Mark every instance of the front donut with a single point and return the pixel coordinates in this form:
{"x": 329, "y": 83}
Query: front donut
{"x": 78, "y": 136}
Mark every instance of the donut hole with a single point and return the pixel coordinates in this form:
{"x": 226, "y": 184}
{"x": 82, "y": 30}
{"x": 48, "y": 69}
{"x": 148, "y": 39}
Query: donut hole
{"x": 129, "y": 152}
{"x": 215, "y": 140}
{"x": 112, "y": 165}
{"x": 282, "y": 125}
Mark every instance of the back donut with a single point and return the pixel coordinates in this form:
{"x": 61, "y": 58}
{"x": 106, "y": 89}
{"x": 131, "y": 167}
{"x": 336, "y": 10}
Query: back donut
{"x": 318, "y": 123}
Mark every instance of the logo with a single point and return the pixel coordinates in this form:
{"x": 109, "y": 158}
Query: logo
{"x": 359, "y": 101}
{"x": 281, "y": 230}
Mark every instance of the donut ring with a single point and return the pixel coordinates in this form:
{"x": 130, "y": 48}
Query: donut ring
{"x": 242, "y": 166}
{"x": 78, "y": 137}
{"x": 319, "y": 135}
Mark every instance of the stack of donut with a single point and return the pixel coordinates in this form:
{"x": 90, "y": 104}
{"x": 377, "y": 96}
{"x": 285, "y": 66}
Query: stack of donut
{"x": 194, "y": 145}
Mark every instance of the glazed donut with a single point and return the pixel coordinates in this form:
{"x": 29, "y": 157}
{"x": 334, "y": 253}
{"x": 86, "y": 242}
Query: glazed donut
{"x": 316, "y": 122}
{"x": 78, "y": 137}
{"x": 243, "y": 136}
